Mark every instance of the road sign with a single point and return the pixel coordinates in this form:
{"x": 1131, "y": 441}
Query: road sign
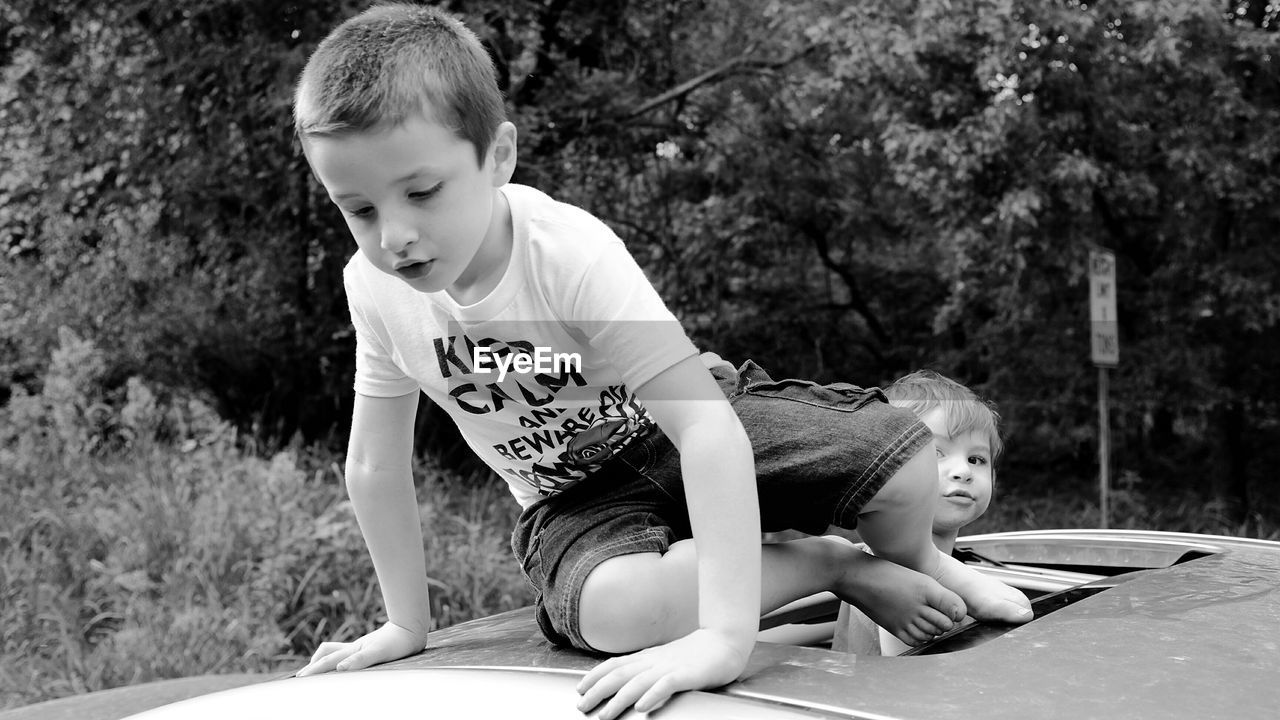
{"x": 1106, "y": 354}
{"x": 1102, "y": 308}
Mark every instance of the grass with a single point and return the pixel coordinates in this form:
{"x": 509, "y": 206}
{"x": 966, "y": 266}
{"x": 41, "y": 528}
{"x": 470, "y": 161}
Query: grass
{"x": 140, "y": 539}
{"x": 174, "y": 563}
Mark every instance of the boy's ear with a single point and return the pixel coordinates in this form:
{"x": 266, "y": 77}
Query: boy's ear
{"x": 503, "y": 151}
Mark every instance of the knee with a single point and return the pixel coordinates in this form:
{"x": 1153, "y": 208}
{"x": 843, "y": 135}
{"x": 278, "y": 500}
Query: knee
{"x": 619, "y": 611}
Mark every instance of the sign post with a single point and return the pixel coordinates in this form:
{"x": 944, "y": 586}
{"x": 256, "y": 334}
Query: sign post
{"x": 1106, "y": 354}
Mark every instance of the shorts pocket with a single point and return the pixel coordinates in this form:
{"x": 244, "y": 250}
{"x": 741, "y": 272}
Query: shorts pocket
{"x": 640, "y": 457}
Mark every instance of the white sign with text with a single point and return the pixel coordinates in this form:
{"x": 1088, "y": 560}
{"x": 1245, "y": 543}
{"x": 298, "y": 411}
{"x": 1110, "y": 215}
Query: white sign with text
{"x": 1102, "y": 308}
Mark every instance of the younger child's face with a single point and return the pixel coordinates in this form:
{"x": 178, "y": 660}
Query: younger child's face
{"x": 964, "y": 474}
{"x": 419, "y": 206}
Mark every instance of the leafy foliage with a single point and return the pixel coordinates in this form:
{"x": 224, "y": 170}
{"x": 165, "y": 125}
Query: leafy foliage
{"x": 857, "y": 190}
{"x": 141, "y": 538}
{"x": 156, "y": 175}
{"x": 844, "y": 191}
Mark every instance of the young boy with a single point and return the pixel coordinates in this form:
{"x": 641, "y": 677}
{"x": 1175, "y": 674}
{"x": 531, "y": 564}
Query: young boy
{"x": 967, "y": 437}
{"x": 531, "y": 325}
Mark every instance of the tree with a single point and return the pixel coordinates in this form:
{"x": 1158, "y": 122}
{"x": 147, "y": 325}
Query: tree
{"x": 842, "y": 190}
{"x": 855, "y": 190}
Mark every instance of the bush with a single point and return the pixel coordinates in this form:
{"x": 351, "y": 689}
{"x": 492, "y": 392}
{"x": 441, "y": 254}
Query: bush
{"x": 140, "y": 539}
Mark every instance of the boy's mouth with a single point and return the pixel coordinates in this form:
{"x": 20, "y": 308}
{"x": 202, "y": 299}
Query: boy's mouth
{"x": 414, "y": 269}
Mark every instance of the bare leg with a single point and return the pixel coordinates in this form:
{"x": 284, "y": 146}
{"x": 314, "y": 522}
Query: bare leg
{"x": 644, "y": 599}
{"x": 896, "y": 526}
{"x": 636, "y": 601}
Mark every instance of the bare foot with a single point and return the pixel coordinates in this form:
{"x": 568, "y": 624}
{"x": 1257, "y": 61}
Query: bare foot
{"x": 985, "y": 597}
{"x": 911, "y": 606}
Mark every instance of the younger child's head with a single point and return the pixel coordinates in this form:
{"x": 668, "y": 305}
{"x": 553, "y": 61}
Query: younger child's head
{"x": 394, "y": 62}
{"x": 966, "y": 434}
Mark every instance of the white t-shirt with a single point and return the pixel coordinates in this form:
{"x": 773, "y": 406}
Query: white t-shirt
{"x": 573, "y": 319}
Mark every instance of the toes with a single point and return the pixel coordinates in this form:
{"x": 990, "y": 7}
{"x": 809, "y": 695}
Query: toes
{"x": 912, "y": 636}
{"x": 1004, "y": 610}
{"x": 918, "y": 633}
{"x": 948, "y": 603}
{"x": 1003, "y": 603}
{"x": 1019, "y": 609}
{"x": 935, "y": 622}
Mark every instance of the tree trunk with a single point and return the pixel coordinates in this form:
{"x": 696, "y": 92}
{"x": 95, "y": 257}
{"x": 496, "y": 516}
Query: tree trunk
{"x": 1227, "y": 476}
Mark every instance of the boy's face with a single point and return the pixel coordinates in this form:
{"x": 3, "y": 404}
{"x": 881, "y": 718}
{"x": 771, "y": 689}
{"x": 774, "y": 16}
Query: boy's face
{"x": 964, "y": 474}
{"x": 419, "y": 206}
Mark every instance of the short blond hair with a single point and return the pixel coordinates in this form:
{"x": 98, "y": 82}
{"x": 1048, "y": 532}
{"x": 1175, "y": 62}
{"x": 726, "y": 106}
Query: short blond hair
{"x": 392, "y": 62}
{"x": 962, "y": 410}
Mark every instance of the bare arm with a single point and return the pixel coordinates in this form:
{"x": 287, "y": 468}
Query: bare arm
{"x": 720, "y": 488}
{"x": 719, "y": 476}
{"x": 380, "y": 484}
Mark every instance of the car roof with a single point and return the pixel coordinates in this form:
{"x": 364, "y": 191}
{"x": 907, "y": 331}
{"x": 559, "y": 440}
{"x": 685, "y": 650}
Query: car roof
{"x": 1196, "y": 639}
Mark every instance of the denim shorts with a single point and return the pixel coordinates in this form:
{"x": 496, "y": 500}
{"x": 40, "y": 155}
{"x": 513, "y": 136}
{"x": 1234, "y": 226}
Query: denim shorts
{"x": 821, "y": 453}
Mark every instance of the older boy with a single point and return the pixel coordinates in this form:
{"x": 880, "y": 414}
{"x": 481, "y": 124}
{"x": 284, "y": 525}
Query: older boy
{"x": 624, "y": 451}
{"x": 966, "y": 435}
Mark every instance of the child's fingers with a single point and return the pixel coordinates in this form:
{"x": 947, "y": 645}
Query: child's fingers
{"x": 636, "y": 688}
{"x": 597, "y": 673}
{"x": 358, "y": 660}
{"x": 658, "y": 694}
{"x": 326, "y": 648}
{"x": 605, "y": 681}
{"x": 326, "y": 658}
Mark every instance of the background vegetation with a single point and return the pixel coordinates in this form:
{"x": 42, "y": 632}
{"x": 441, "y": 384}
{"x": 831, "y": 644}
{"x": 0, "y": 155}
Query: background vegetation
{"x": 839, "y": 190}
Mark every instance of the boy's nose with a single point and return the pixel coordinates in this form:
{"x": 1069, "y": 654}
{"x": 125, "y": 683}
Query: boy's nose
{"x": 396, "y": 236}
{"x": 961, "y": 471}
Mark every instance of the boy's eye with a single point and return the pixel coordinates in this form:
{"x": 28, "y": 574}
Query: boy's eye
{"x": 361, "y": 212}
{"x": 977, "y": 460}
{"x": 426, "y": 194}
